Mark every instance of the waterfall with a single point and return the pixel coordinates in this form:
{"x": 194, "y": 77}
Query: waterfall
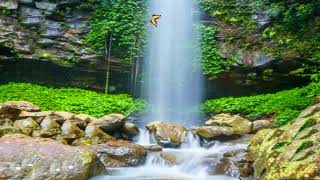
{"x": 174, "y": 81}
{"x": 173, "y": 77}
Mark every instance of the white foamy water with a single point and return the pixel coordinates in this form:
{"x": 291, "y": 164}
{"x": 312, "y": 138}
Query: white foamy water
{"x": 191, "y": 162}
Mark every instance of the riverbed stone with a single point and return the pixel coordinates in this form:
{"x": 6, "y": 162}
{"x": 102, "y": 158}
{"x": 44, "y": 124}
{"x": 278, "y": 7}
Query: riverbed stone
{"x": 70, "y": 131}
{"x": 110, "y": 123}
{"x": 288, "y": 152}
{"x": 225, "y": 125}
{"x": 130, "y": 129}
{"x": 85, "y": 118}
{"x": 210, "y": 132}
{"x": 167, "y": 134}
{"x": 49, "y": 128}
{"x": 119, "y": 153}
{"x": 23, "y": 157}
{"x": 235, "y": 163}
{"x": 27, "y": 125}
{"x": 93, "y": 135}
{"x": 6, "y": 122}
{"x": 21, "y": 105}
{"x": 4, "y": 130}
{"x": 238, "y": 124}
{"x": 262, "y": 124}
{"x": 12, "y": 109}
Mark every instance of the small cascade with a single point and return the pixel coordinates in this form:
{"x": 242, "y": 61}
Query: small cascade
{"x": 144, "y": 138}
{"x": 189, "y": 162}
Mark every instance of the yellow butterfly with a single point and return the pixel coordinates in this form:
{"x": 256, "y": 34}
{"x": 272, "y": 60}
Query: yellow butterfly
{"x": 154, "y": 19}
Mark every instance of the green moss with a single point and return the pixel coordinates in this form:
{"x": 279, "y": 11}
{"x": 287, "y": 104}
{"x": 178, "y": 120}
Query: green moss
{"x": 279, "y": 145}
{"x": 70, "y": 99}
{"x": 284, "y": 105}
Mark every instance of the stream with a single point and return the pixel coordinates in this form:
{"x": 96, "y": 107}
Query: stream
{"x": 189, "y": 162}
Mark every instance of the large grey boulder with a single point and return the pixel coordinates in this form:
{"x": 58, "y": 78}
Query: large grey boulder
{"x": 23, "y": 157}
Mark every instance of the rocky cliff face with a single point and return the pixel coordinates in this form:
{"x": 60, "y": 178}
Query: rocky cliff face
{"x": 45, "y": 30}
{"x": 42, "y": 41}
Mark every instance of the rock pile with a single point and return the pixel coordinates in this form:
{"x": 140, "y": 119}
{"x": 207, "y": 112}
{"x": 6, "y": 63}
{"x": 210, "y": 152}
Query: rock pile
{"x": 65, "y": 127}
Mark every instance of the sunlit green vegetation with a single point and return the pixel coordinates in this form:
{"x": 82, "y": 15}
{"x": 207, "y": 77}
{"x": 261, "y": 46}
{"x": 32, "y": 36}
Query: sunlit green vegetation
{"x": 124, "y": 19}
{"x": 283, "y": 106}
{"x": 70, "y": 99}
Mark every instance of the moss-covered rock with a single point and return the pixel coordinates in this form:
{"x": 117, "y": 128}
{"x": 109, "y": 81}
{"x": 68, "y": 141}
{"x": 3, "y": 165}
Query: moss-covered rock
{"x": 225, "y": 125}
{"x": 289, "y": 152}
{"x": 27, "y": 125}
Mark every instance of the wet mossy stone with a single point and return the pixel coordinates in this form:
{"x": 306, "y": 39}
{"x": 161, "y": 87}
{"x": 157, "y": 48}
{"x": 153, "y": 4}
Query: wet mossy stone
{"x": 27, "y": 125}
{"x": 49, "y": 128}
{"x": 9, "y": 130}
{"x": 289, "y": 152}
{"x": 70, "y": 131}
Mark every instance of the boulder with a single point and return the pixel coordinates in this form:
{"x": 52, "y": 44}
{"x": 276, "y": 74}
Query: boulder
{"x": 26, "y": 125}
{"x": 12, "y": 109}
{"x": 288, "y": 152}
{"x": 6, "y": 122}
{"x": 49, "y": 128}
{"x": 110, "y": 123}
{"x": 130, "y": 129}
{"x": 119, "y": 153}
{"x": 23, "y": 157}
{"x": 238, "y": 124}
{"x": 262, "y": 124}
{"x": 93, "y": 135}
{"x": 85, "y": 118}
{"x": 166, "y": 134}
{"x": 70, "y": 131}
{"x": 4, "y": 130}
{"x": 210, "y": 132}
{"x": 236, "y": 164}
{"x": 62, "y": 116}
{"x": 38, "y": 116}
{"x": 225, "y": 125}
{"x": 153, "y": 148}
{"x": 21, "y": 105}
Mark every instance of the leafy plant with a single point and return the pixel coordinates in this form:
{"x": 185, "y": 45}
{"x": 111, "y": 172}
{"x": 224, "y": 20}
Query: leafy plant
{"x": 124, "y": 20}
{"x": 213, "y": 61}
{"x": 284, "y": 105}
{"x": 70, "y": 99}
{"x": 291, "y": 28}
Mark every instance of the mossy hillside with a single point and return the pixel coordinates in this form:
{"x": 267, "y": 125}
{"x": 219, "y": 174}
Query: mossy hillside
{"x": 70, "y": 99}
{"x": 288, "y": 152}
{"x": 283, "y": 106}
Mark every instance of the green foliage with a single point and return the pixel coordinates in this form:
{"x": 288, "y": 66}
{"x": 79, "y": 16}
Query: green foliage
{"x": 70, "y": 99}
{"x": 213, "y": 62}
{"x": 124, "y": 19}
{"x": 284, "y": 105}
{"x": 293, "y": 31}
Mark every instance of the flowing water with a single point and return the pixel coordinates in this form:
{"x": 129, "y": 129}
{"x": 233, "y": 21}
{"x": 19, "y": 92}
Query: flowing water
{"x": 173, "y": 76}
{"x": 190, "y": 162}
{"x": 173, "y": 89}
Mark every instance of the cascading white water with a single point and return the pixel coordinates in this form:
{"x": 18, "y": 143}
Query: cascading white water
{"x": 173, "y": 76}
{"x": 191, "y": 162}
{"x": 174, "y": 84}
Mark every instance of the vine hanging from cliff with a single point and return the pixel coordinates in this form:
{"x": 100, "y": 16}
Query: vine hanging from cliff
{"x": 213, "y": 61}
{"x": 124, "y": 19}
